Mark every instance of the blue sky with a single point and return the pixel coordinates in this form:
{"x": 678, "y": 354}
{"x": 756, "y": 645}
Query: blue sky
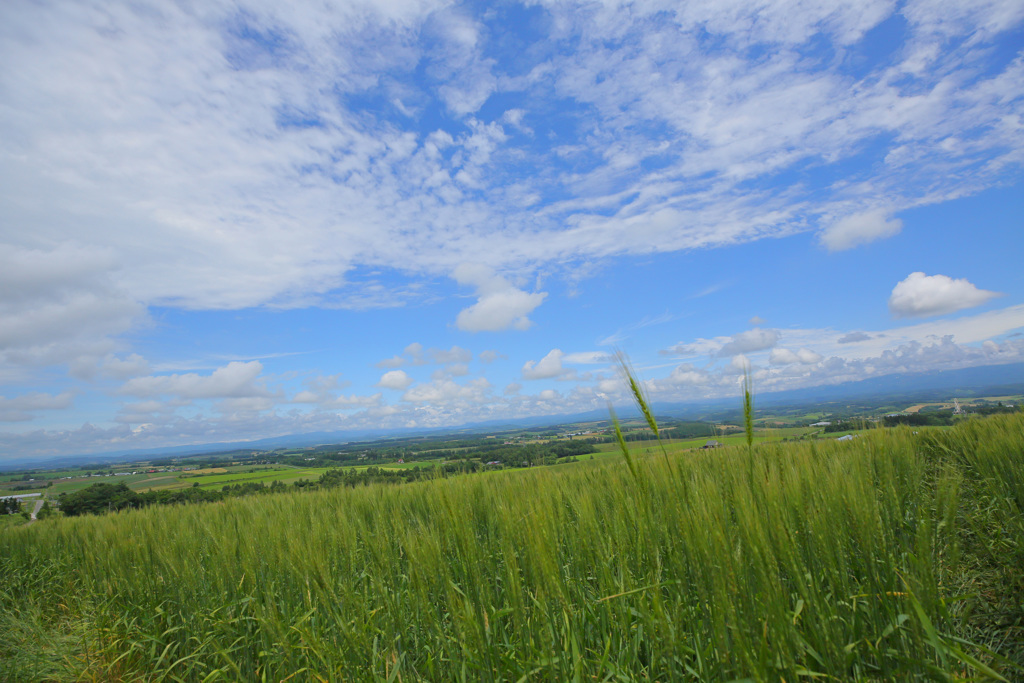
{"x": 228, "y": 221}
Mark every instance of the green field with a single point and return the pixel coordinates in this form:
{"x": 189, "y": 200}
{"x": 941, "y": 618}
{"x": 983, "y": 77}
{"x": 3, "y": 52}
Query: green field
{"x": 285, "y": 475}
{"x": 236, "y": 474}
{"x": 895, "y": 557}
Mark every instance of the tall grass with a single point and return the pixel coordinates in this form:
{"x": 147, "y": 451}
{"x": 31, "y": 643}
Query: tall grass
{"x": 748, "y": 407}
{"x": 810, "y": 562}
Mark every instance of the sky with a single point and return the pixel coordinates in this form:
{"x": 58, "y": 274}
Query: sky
{"x": 224, "y": 221}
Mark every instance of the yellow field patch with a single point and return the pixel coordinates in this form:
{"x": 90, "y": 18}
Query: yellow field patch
{"x": 208, "y": 470}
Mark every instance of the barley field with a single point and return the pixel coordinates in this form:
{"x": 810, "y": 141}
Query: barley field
{"x": 893, "y": 557}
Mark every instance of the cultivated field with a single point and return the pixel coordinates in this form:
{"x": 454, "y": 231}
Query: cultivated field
{"x": 896, "y": 556}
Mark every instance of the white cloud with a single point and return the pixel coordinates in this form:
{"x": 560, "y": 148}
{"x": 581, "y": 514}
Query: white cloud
{"x": 394, "y": 379}
{"x": 981, "y": 19}
{"x": 862, "y": 228}
{"x": 413, "y": 354}
{"x": 21, "y": 408}
{"x": 749, "y": 342}
{"x": 445, "y": 390}
{"x": 111, "y": 367}
{"x": 500, "y": 305}
{"x": 587, "y": 357}
{"x": 489, "y": 356}
{"x": 399, "y": 199}
{"x": 353, "y": 401}
{"x": 244, "y": 407}
{"x": 320, "y": 390}
{"x": 780, "y": 356}
{"x": 687, "y": 374}
{"x": 455, "y": 354}
{"x": 853, "y": 337}
{"x": 234, "y": 380}
{"x": 548, "y": 367}
{"x": 132, "y": 365}
{"x": 452, "y": 370}
{"x": 687, "y": 382}
{"x": 61, "y": 305}
{"x": 261, "y": 186}
{"x": 757, "y": 320}
{"x": 320, "y": 394}
{"x": 738, "y": 364}
{"x": 921, "y": 295}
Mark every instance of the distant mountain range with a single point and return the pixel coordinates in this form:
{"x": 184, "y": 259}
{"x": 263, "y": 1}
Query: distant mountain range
{"x": 909, "y": 387}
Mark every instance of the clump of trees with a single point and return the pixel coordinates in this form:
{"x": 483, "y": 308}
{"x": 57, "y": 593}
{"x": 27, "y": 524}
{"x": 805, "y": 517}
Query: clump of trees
{"x": 924, "y": 419}
{"x": 536, "y": 454}
{"x": 102, "y": 498}
{"x": 99, "y": 498}
{"x": 10, "y": 506}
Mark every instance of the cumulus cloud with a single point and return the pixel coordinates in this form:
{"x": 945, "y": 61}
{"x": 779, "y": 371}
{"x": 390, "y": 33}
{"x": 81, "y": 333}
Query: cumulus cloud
{"x": 489, "y": 356}
{"x": 699, "y": 347}
{"x": 455, "y": 354}
{"x": 234, "y": 380}
{"x": 22, "y": 408}
{"x": 412, "y": 355}
{"x": 780, "y": 356}
{"x": 852, "y": 337}
{"x": 862, "y": 228}
{"x": 793, "y": 369}
{"x": 499, "y": 306}
{"x": 921, "y": 295}
{"x": 548, "y": 367}
{"x": 750, "y": 342}
{"x": 352, "y": 401}
{"x": 110, "y": 367}
{"x": 687, "y": 374}
{"x": 61, "y": 305}
{"x": 587, "y": 357}
{"x": 395, "y": 379}
{"x": 415, "y": 354}
{"x": 451, "y": 370}
{"x": 132, "y": 365}
{"x": 445, "y": 390}
{"x": 320, "y": 390}
{"x": 738, "y": 364}
{"x": 393, "y": 362}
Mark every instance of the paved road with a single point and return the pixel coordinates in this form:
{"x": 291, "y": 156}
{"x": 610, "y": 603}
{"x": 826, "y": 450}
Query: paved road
{"x": 39, "y": 504}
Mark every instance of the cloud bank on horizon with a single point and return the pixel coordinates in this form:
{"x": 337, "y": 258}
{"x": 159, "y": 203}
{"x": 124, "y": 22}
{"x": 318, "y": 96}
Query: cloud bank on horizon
{"x": 225, "y": 221}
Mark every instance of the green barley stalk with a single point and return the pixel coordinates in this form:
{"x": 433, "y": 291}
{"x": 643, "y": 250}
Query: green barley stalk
{"x": 639, "y": 396}
{"x": 748, "y": 407}
{"x": 622, "y": 444}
